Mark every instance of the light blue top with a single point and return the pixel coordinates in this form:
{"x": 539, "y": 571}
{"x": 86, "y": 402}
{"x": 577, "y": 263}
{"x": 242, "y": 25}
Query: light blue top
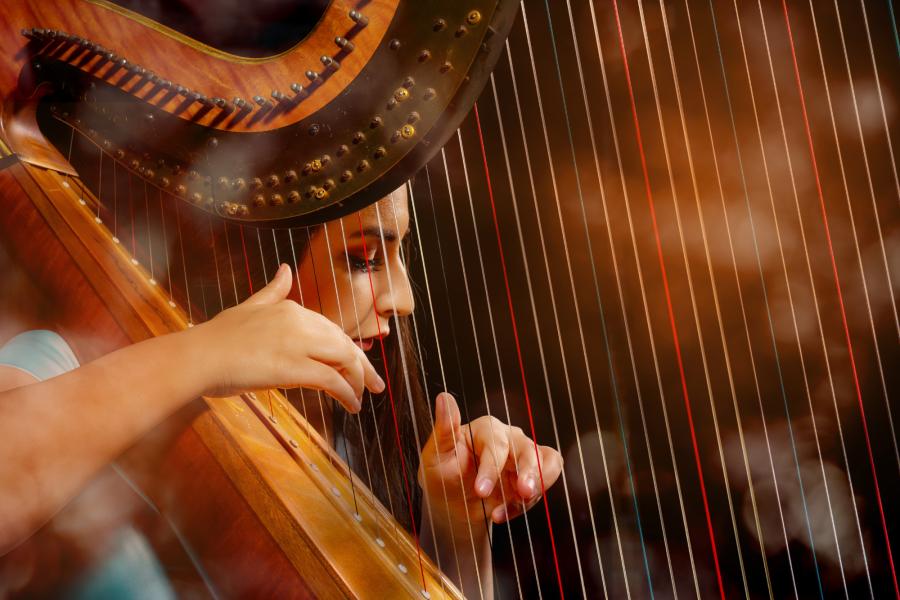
{"x": 130, "y": 569}
{"x": 40, "y": 353}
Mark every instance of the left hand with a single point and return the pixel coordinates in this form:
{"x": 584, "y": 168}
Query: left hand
{"x": 485, "y": 460}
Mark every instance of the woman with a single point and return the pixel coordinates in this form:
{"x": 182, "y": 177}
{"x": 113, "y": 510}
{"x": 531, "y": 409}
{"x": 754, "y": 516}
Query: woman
{"x": 321, "y": 345}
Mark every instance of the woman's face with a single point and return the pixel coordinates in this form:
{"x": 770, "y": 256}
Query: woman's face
{"x": 353, "y": 272}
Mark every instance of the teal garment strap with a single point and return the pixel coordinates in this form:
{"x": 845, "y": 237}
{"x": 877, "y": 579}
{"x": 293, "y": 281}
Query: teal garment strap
{"x": 40, "y": 353}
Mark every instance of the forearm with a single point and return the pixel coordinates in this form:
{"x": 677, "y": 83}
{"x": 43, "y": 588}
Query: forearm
{"x": 463, "y": 551}
{"x": 55, "y": 435}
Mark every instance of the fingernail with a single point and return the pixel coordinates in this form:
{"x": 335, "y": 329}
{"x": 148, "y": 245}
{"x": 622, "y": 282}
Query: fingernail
{"x": 500, "y": 514}
{"x": 379, "y": 385}
{"x": 484, "y": 486}
{"x": 531, "y": 484}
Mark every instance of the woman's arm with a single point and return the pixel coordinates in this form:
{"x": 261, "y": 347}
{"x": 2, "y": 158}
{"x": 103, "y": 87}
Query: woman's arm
{"x": 56, "y": 434}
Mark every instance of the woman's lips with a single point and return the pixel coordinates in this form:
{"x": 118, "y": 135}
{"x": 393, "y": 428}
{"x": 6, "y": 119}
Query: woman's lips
{"x": 365, "y": 344}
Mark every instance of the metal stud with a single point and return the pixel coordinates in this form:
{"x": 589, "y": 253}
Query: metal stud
{"x": 359, "y": 18}
{"x": 344, "y": 44}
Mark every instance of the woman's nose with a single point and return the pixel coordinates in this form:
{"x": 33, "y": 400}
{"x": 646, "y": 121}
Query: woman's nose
{"x": 396, "y": 297}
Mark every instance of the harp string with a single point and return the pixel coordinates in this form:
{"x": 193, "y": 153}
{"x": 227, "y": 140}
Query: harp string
{"x": 487, "y": 299}
{"x": 602, "y": 313}
{"x": 527, "y": 400}
{"x": 696, "y": 318}
{"x": 343, "y": 328}
{"x": 787, "y": 282}
{"x": 215, "y": 257}
{"x": 149, "y": 232}
{"x": 887, "y": 128}
{"x": 394, "y": 415}
{"x": 415, "y": 220}
{"x": 162, "y": 219}
{"x": 409, "y": 392}
{"x": 837, "y": 282}
{"x": 645, "y": 306}
{"x": 315, "y": 273}
{"x": 770, "y": 322}
{"x": 868, "y": 170}
{"x": 362, "y": 436}
{"x": 714, "y": 284}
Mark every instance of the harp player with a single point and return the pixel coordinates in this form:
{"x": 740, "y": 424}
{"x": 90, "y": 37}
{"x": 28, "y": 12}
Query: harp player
{"x": 322, "y": 345}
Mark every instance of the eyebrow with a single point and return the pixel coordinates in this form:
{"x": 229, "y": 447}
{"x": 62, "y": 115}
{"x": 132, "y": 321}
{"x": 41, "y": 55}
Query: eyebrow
{"x": 389, "y": 235}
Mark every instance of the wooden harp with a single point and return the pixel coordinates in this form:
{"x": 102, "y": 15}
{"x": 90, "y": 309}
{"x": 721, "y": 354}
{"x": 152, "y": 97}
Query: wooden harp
{"x": 264, "y": 503}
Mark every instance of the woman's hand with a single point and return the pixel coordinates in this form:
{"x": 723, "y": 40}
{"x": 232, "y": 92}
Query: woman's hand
{"x": 268, "y": 341}
{"x": 483, "y": 460}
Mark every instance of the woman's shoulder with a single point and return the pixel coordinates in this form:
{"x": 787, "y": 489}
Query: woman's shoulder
{"x": 40, "y": 352}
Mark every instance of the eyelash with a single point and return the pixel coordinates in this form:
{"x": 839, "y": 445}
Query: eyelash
{"x": 363, "y": 265}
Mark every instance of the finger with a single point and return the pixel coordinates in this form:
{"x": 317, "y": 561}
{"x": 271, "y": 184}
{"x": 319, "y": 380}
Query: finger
{"x": 447, "y": 422}
{"x": 492, "y": 448}
{"x": 508, "y": 511}
{"x": 355, "y": 376}
{"x": 323, "y": 377}
{"x": 372, "y": 379}
{"x": 528, "y": 482}
{"x": 276, "y": 290}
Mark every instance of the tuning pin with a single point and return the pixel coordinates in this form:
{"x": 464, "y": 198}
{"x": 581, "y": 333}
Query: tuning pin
{"x": 330, "y": 63}
{"x": 359, "y": 18}
{"x": 296, "y": 88}
{"x": 344, "y": 44}
{"x": 312, "y": 75}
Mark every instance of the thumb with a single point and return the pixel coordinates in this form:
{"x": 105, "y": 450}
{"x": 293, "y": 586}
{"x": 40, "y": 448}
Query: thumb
{"x": 276, "y": 290}
{"x": 447, "y": 422}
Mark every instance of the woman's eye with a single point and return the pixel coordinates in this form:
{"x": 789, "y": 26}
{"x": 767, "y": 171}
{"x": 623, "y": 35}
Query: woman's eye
{"x": 363, "y": 264}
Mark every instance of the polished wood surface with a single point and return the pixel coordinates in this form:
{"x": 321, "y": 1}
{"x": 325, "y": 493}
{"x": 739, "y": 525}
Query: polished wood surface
{"x": 189, "y": 63}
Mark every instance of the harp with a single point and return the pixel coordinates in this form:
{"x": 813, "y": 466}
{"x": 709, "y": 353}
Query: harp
{"x": 664, "y": 239}
{"x": 275, "y": 511}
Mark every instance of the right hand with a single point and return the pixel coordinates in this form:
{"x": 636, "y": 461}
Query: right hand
{"x": 268, "y": 341}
